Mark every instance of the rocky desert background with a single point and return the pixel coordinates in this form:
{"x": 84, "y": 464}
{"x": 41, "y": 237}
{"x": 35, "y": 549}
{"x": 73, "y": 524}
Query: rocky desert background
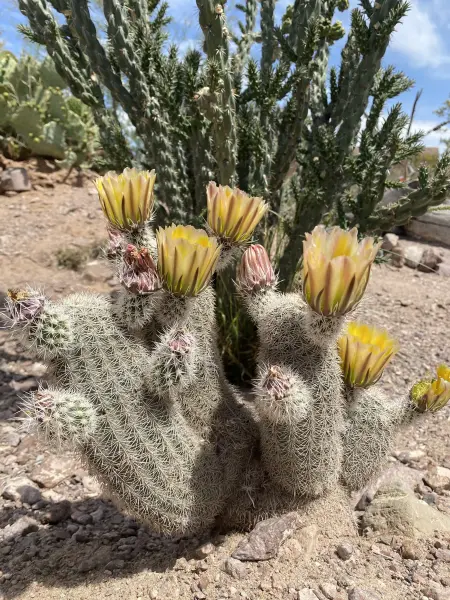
{"x": 60, "y": 539}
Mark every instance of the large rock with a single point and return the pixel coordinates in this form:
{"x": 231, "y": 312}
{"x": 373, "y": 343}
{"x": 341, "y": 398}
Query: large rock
{"x": 397, "y": 472}
{"x": 53, "y": 470}
{"x": 413, "y": 256}
{"x": 432, "y": 227}
{"x": 15, "y": 180}
{"x": 267, "y": 537}
{"x": 396, "y": 510}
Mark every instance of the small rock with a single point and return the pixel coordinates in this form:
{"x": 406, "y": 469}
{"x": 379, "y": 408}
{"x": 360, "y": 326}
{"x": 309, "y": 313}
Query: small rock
{"x": 438, "y": 479}
{"x": 24, "y": 385}
{"x": 81, "y": 518}
{"x": 53, "y": 470}
{"x": 413, "y": 256}
{"x": 410, "y": 551}
{"x": 57, "y": 512}
{"x": 97, "y": 515}
{"x": 390, "y": 241}
{"x": 115, "y": 565}
{"x": 429, "y": 261}
{"x": 397, "y": 258}
{"x": 21, "y": 527}
{"x": 306, "y": 594}
{"x": 23, "y": 489}
{"x": 329, "y": 590}
{"x": 91, "y": 485}
{"x": 409, "y": 456}
{"x": 344, "y": 551}
{"x": 100, "y": 557}
{"x": 15, "y": 179}
{"x": 307, "y": 536}
{"x": 267, "y": 537}
{"x": 436, "y": 592}
{"x": 443, "y": 555}
{"x": 10, "y": 437}
{"x": 203, "y": 582}
{"x": 360, "y": 594}
{"x": 204, "y": 551}
{"x": 235, "y": 568}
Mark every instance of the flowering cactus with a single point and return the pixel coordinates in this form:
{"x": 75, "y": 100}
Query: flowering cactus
{"x": 187, "y": 258}
{"x": 233, "y": 214}
{"x": 140, "y": 390}
{"x": 126, "y": 199}
{"x": 365, "y": 351}
{"x": 432, "y": 395}
{"x": 336, "y": 269}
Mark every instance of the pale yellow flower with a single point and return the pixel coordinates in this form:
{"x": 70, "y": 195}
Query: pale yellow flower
{"x": 126, "y": 198}
{"x": 187, "y": 258}
{"x": 336, "y": 269}
{"x": 432, "y": 395}
{"x": 365, "y": 351}
{"x": 232, "y": 214}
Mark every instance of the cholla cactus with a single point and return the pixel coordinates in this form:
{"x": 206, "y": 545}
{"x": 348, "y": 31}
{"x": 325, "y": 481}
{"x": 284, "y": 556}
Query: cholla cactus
{"x": 139, "y": 390}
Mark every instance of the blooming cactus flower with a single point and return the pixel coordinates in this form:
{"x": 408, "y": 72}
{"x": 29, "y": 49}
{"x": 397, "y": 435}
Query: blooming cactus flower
{"x": 126, "y": 199}
{"x": 138, "y": 272}
{"x": 187, "y": 258}
{"x": 365, "y": 351}
{"x": 233, "y": 214}
{"x": 255, "y": 271}
{"x": 432, "y": 395}
{"x": 22, "y": 306}
{"x": 336, "y": 269}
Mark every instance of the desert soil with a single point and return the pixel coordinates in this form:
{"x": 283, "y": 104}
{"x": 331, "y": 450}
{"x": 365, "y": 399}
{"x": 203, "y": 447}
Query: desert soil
{"x": 64, "y": 540}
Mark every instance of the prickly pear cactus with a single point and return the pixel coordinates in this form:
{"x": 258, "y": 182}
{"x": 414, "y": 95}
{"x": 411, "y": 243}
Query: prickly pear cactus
{"x": 137, "y": 386}
{"x": 35, "y": 110}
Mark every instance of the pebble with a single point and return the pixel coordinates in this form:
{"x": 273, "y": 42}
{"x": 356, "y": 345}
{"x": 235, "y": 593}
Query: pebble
{"x": 408, "y": 456}
{"x": 306, "y": 594}
{"x": 360, "y": 594}
{"x": 235, "y": 568}
{"x": 204, "y": 550}
{"x": 329, "y": 590}
{"x": 345, "y": 551}
{"x": 115, "y": 565}
{"x": 97, "y": 515}
{"x": 81, "y": 518}
{"x": 410, "y": 551}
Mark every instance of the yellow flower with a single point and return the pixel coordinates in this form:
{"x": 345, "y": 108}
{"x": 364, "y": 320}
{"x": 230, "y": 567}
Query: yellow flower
{"x": 365, "y": 351}
{"x": 336, "y": 269}
{"x": 233, "y": 214}
{"x": 432, "y": 395}
{"x": 187, "y": 258}
{"x": 126, "y": 199}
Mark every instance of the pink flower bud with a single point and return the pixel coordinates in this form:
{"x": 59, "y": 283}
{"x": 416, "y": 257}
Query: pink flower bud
{"x": 22, "y": 306}
{"x": 181, "y": 343}
{"x": 255, "y": 271}
{"x": 276, "y": 383}
{"x": 116, "y": 243}
{"x": 138, "y": 272}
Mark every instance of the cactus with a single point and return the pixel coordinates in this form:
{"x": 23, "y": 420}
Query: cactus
{"x": 35, "y": 111}
{"x": 137, "y": 386}
{"x": 284, "y": 127}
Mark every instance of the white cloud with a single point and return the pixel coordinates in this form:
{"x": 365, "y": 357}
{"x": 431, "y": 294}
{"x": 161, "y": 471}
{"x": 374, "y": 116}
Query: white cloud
{"x": 420, "y": 39}
{"x": 432, "y": 139}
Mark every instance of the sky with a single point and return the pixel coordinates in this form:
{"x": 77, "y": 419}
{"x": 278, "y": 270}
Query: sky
{"x": 420, "y": 47}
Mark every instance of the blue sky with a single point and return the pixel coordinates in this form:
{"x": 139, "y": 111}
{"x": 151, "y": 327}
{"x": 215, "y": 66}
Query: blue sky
{"x": 420, "y": 47}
